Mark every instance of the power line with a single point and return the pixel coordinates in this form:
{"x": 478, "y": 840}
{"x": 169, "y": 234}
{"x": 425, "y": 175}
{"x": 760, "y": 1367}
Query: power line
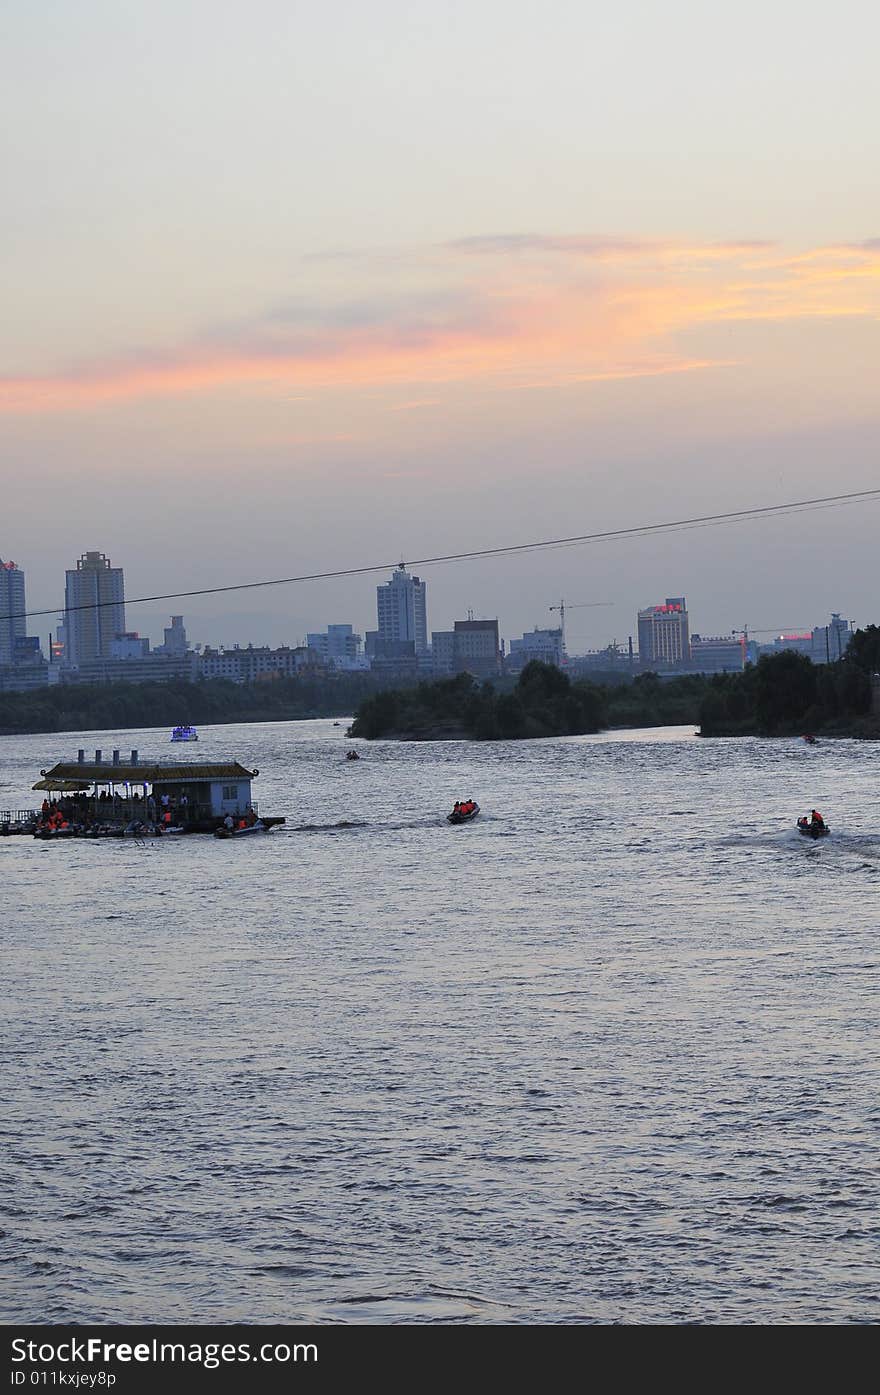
{"x": 512, "y": 549}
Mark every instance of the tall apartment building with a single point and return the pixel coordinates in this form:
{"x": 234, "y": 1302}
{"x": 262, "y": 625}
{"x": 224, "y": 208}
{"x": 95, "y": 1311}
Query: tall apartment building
{"x": 403, "y": 612}
{"x": 94, "y": 608}
{"x": 12, "y": 608}
{"x": 664, "y": 641}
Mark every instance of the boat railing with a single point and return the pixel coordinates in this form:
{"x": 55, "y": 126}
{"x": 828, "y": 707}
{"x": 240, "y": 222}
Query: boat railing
{"x": 15, "y": 816}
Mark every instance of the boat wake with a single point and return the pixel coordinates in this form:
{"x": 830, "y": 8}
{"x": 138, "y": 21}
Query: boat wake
{"x": 328, "y": 827}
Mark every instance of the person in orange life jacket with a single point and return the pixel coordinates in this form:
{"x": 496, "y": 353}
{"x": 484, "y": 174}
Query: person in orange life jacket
{"x": 816, "y": 819}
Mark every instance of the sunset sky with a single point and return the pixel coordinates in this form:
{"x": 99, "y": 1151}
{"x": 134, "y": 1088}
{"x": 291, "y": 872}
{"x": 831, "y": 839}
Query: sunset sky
{"x": 290, "y": 287}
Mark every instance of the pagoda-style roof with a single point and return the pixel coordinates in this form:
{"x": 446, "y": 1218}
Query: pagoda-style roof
{"x": 147, "y": 772}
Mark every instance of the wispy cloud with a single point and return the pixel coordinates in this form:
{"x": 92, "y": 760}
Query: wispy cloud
{"x": 504, "y": 310}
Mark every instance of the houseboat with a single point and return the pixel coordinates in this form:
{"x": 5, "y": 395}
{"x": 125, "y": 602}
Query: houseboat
{"x": 94, "y": 798}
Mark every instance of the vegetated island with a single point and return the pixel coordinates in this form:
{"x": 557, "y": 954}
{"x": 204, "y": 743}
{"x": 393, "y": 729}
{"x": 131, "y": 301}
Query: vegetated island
{"x": 543, "y": 701}
{"x": 782, "y": 695}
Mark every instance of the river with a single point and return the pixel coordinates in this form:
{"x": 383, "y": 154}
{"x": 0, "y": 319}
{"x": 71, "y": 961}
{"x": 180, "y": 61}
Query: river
{"x": 609, "y": 1054}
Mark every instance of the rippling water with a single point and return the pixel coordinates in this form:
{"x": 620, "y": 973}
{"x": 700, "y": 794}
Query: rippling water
{"x": 608, "y": 1054}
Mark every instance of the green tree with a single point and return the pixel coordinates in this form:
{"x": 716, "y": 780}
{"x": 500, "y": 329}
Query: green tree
{"x": 785, "y": 690}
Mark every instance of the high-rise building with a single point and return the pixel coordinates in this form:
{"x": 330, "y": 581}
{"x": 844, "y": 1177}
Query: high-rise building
{"x": 664, "y": 642}
{"x": 94, "y": 608}
{"x": 12, "y": 608}
{"x": 403, "y": 611}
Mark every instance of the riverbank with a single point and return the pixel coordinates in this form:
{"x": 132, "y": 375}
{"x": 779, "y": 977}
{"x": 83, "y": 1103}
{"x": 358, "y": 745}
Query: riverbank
{"x": 131, "y": 706}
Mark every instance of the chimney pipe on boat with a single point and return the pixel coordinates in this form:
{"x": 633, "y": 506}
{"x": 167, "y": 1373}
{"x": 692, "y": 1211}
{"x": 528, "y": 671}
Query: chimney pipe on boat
{"x": 134, "y": 757}
{"x": 115, "y": 757}
{"x": 81, "y": 756}
{"x": 97, "y": 758}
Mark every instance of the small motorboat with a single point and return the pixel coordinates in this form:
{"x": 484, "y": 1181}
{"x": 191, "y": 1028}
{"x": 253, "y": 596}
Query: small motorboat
{"x": 812, "y": 830}
{"x": 184, "y": 734}
{"x": 810, "y": 740}
{"x": 257, "y": 827}
{"x": 464, "y": 814}
{"x": 352, "y": 755}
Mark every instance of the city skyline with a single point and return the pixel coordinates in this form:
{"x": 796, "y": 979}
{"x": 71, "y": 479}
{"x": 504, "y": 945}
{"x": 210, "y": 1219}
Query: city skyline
{"x": 90, "y": 633}
{"x": 490, "y": 284}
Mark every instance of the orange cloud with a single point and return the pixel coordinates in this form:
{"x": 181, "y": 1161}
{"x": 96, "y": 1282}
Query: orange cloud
{"x": 505, "y": 310}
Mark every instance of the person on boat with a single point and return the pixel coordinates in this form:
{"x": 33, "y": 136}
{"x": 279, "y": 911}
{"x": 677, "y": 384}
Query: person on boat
{"x": 229, "y": 822}
{"x": 816, "y": 819}
{"x": 456, "y": 808}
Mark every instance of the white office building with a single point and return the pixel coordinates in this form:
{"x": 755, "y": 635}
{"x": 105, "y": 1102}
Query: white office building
{"x": 545, "y": 646}
{"x": 339, "y": 647}
{"x": 403, "y": 612}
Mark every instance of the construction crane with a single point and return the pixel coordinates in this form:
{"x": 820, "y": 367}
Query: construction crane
{"x": 576, "y": 605}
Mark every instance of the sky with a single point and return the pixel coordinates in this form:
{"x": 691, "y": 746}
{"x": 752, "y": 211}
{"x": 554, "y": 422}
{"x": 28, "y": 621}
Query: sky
{"x": 289, "y": 288}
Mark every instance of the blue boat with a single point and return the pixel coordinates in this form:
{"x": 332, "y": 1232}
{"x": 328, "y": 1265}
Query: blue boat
{"x": 184, "y": 734}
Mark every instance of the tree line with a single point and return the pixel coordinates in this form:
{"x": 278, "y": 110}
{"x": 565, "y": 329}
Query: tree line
{"x": 124, "y": 706}
{"x": 783, "y": 694}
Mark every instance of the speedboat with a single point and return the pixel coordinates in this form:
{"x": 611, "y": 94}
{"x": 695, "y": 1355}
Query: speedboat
{"x": 184, "y": 734}
{"x": 812, "y": 830}
{"x": 457, "y": 816}
{"x": 257, "y": 827}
